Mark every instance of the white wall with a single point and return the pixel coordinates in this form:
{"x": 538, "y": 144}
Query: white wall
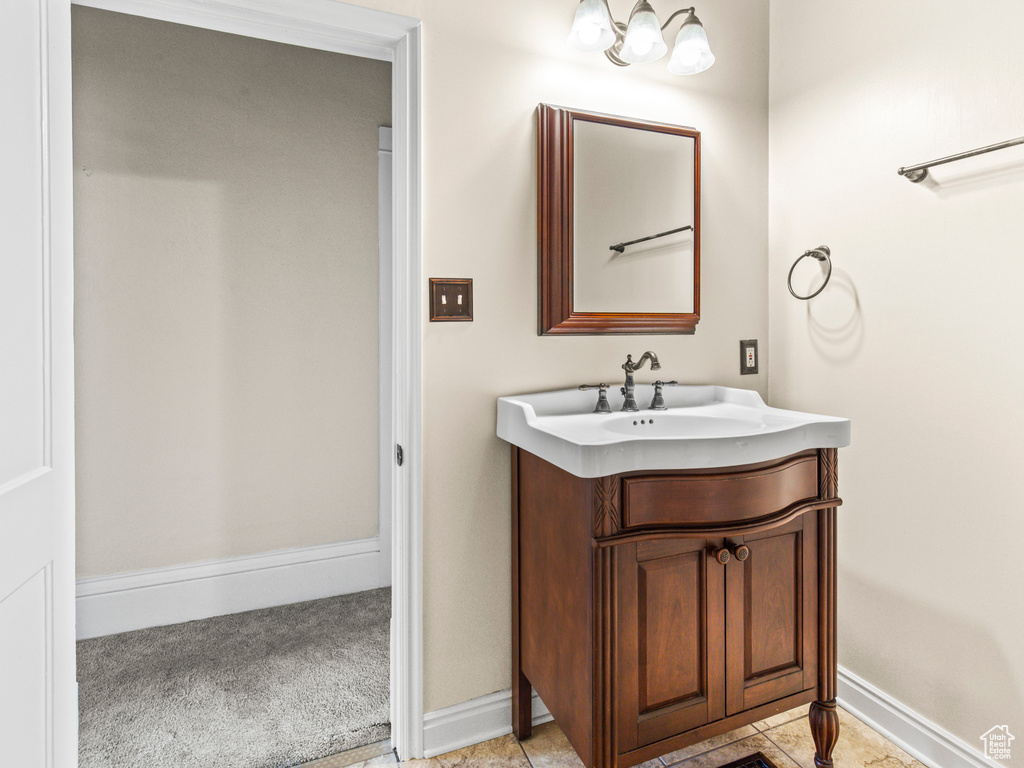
{"x": 915, "y": 339}
{"x": 226, "y": 293}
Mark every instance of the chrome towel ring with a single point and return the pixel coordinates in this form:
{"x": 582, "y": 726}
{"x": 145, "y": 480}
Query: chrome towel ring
{"x": 821, "y": 253}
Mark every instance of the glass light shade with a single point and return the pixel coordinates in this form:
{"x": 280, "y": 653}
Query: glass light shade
{"x": 644, "y": 41}
{"x": 592, "y": 28}
{"x": 691, "y": 53}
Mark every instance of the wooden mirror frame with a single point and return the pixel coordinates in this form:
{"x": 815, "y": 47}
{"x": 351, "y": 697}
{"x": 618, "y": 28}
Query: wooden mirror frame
{"x": 555, "y": 216}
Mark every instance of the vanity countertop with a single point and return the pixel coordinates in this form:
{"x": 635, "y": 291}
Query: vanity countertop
{"x": 704, "y": 426}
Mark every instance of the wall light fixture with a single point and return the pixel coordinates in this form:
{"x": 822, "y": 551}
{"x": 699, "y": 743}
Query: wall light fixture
{"x": 642, "y": 39}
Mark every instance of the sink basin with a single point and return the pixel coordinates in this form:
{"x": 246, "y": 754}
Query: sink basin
{"x": 704, "y": 427}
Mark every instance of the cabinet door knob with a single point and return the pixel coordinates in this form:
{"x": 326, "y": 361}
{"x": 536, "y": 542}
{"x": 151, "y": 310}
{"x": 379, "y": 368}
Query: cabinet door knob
{"x": 721, "y": 555}
{"x": 742, "y": 552}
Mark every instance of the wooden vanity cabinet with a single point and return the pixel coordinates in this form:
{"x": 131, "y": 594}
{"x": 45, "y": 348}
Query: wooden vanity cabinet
{"x": 653, "y": 610}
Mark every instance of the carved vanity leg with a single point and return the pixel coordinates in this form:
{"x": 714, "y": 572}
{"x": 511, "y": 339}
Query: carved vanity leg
{"x": 825, "y": 730}
{"x": 823, "y": 716}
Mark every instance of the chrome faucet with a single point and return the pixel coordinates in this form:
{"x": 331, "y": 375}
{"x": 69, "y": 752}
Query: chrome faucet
{"x": 629, "y": 403}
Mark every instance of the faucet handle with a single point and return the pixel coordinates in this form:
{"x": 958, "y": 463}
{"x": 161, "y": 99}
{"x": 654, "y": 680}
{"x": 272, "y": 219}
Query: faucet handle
{"x": 602, "y": 397}
{"x": 658, "y": 403}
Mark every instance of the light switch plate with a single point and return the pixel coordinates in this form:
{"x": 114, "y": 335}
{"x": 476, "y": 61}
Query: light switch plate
{"x": 748, "y": 356}
{"x": 451, "y": 299}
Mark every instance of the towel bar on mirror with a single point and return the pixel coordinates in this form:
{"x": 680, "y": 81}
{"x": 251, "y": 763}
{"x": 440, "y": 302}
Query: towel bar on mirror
{"x": 621, "y": 247}
{"x": 821, "y": 253}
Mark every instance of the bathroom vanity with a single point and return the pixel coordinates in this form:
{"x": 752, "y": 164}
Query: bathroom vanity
{"x": 660, "y": 596}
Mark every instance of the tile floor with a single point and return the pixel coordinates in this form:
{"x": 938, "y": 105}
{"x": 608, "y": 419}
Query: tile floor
{"x": 785, "y": 739}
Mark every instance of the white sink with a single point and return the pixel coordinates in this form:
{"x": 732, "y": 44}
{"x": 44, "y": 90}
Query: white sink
{"x": 704, "y": 426}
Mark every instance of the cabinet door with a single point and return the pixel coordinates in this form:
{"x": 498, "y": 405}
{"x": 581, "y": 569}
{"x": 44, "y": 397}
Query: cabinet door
{"x": 670, "y": 636}
{"x": 772, "y": 615}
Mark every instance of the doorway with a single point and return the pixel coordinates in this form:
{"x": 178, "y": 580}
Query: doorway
{"x": 399, "y": 42}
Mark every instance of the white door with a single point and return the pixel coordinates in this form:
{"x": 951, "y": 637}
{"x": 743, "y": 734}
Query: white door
{"x": 38, "y": 707}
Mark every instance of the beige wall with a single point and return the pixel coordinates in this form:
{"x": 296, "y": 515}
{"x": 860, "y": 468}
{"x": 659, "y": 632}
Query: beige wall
{"x": 916, "y": 338}
{"x": 226, "y": 293}
{"x": 930, "y": 608}
{"x": 486, "y": 67}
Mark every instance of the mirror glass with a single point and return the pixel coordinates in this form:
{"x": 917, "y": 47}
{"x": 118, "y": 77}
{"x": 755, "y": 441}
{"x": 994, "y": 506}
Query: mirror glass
{"x": 619, "y": 224}
{"x": 630, "y": 184}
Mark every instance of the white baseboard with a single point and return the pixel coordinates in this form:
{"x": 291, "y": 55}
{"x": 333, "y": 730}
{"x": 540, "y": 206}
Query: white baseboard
{"x": 932, "y": 745}
{"x": 473, "y": 721}
{"x": 127, "y": 601}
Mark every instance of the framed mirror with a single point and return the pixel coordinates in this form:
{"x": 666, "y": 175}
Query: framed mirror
{"x": 618, "y": 209}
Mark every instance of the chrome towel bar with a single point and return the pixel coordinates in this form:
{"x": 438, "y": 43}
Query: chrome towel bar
{"x": 919, "y": 172}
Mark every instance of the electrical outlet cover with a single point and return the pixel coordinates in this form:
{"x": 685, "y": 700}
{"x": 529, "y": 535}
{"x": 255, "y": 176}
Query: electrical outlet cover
{"x": 749, "y": 357}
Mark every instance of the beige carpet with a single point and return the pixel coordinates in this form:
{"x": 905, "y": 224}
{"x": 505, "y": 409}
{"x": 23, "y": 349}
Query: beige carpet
{"x": 262, "y": 689}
